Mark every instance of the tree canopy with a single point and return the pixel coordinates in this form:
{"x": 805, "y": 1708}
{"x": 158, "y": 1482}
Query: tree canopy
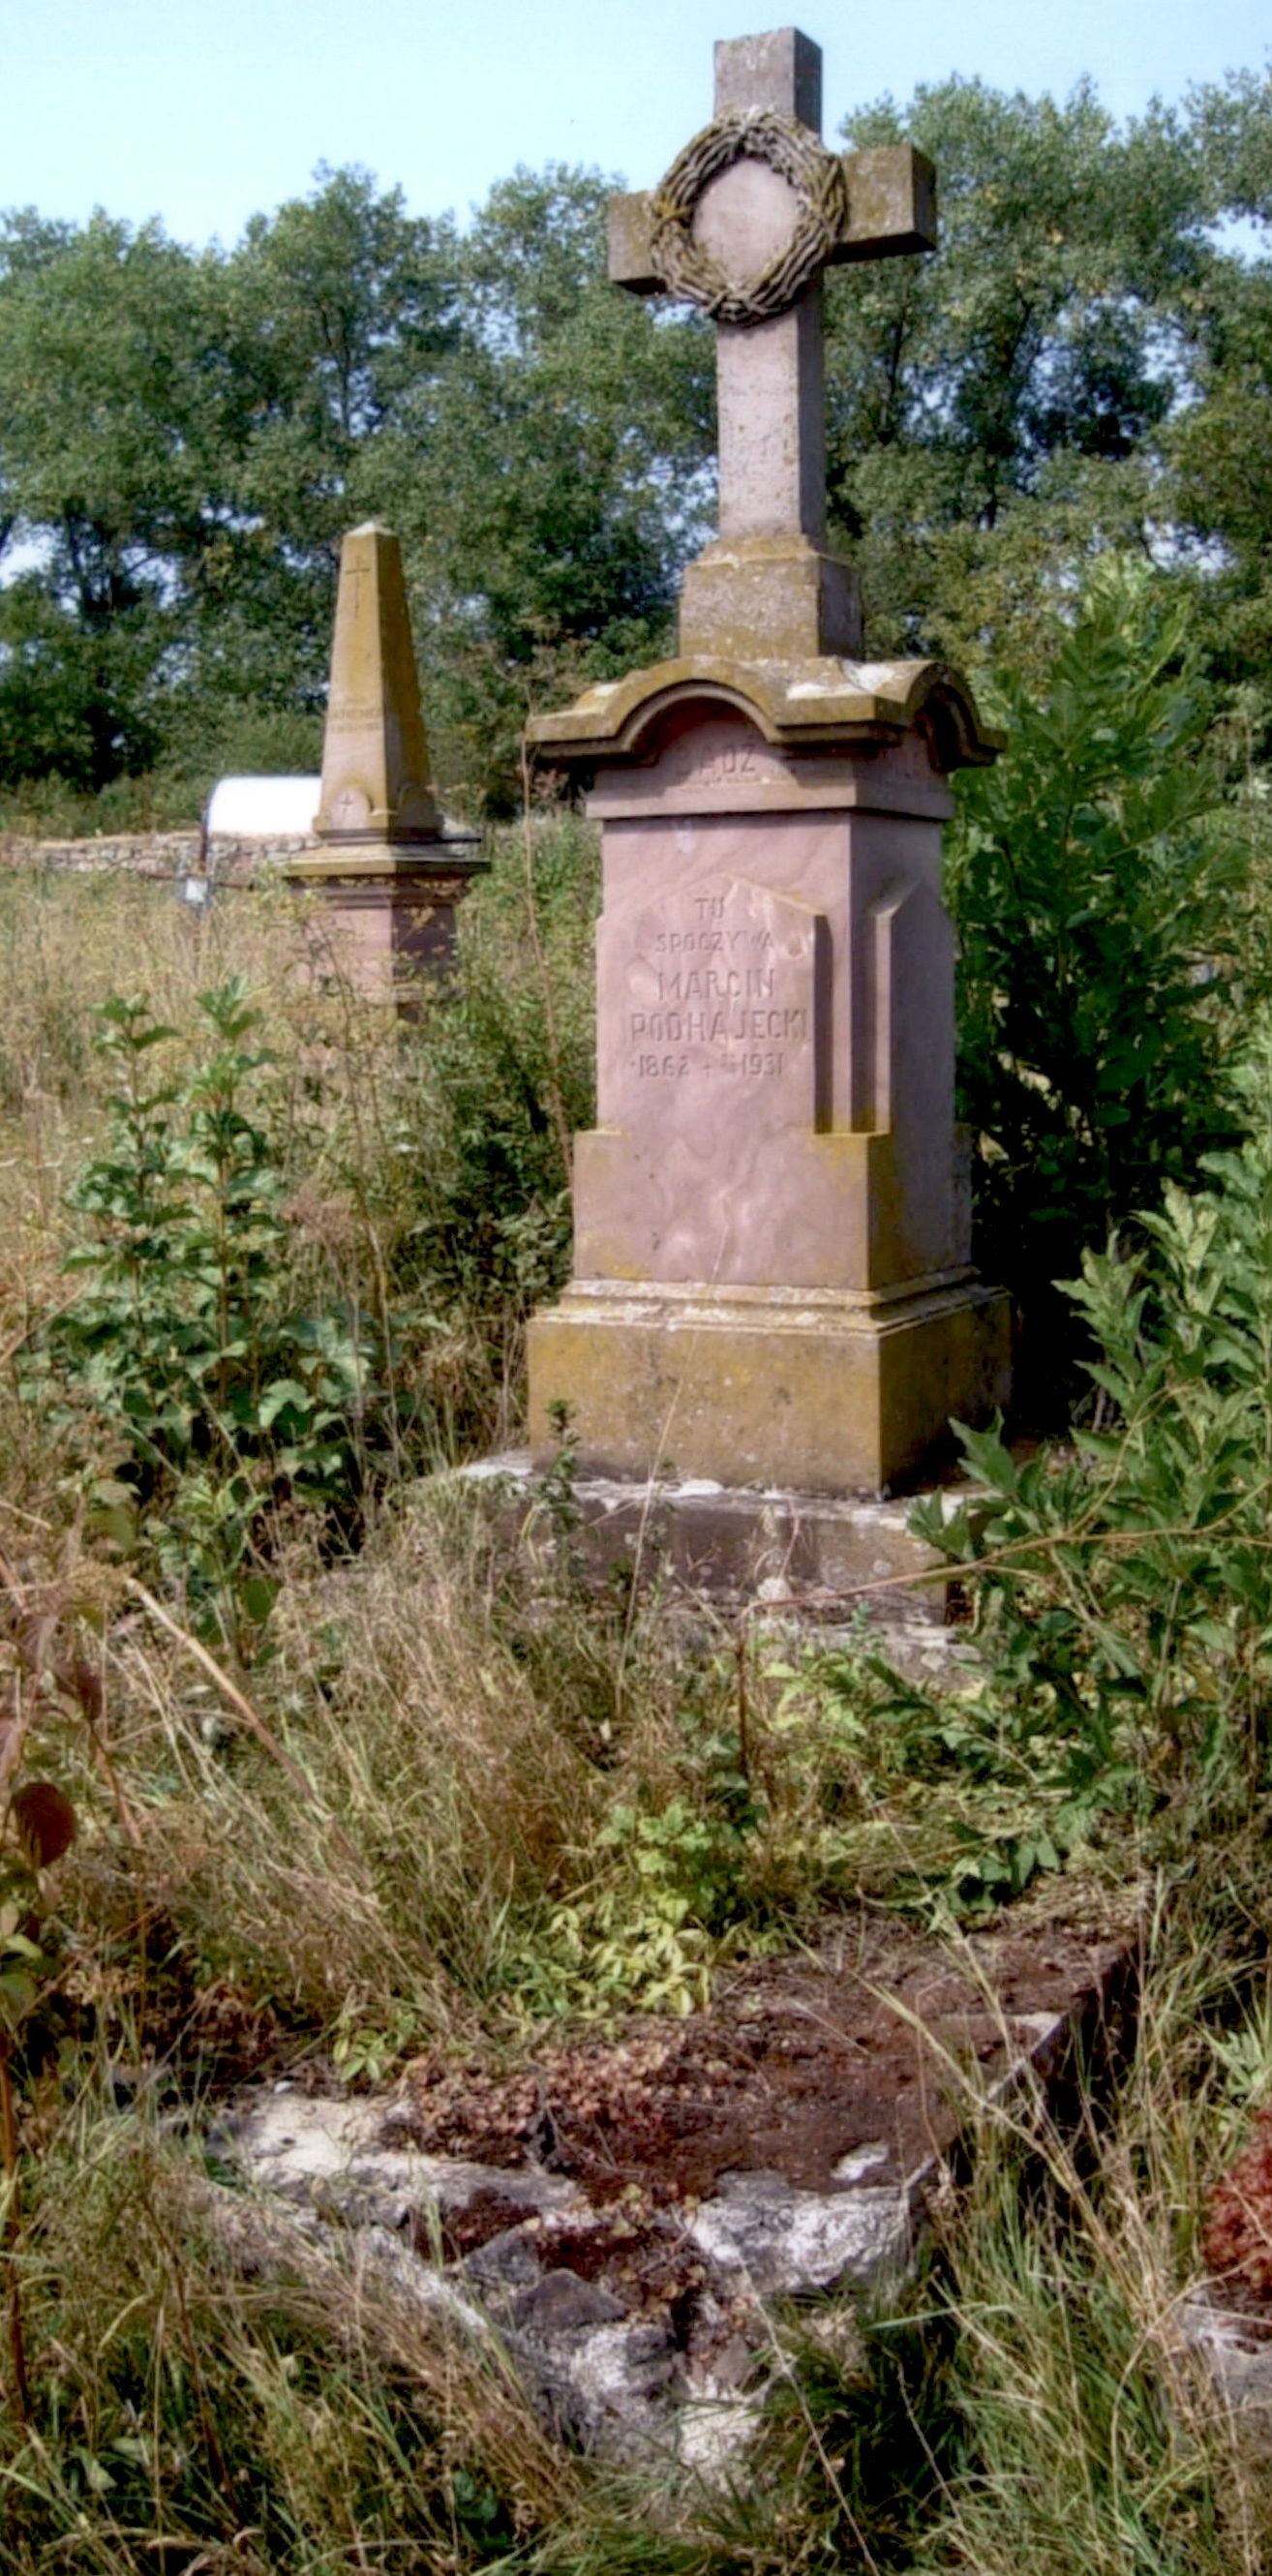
{"x": 1084, "y": 365}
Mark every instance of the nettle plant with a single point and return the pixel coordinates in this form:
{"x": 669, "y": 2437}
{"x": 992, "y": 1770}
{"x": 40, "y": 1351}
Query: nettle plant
{"x": 190, "y": 1385}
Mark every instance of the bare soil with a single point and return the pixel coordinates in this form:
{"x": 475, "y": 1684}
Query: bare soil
{"x": 882, "y": 2040}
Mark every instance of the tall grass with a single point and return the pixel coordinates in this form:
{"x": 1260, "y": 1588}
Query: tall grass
{"x": 199, "y": 2411}
{"x": 1092, "y": 2435}
{"x": 438, "y": 1803}
{"x": 428, "y": 1178}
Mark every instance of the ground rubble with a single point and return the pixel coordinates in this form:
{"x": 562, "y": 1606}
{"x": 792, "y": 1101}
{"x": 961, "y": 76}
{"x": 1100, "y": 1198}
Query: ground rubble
{"x": 629, "y": 2219}
{"x": 1230, "y": 2335}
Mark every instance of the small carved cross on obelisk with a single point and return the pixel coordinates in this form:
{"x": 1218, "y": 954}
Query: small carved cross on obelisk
{"x": 746, "y": 220}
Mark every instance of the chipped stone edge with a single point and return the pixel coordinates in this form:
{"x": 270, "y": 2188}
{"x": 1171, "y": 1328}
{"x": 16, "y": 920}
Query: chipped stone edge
{"x": 617, "y": 2388}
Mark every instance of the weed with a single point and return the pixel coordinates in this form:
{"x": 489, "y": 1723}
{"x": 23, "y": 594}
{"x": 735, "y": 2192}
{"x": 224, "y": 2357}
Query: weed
{"x": 1094, "y": 877}
{"x": 1122, "y": 1590}
{"x": 214, "y": 1395}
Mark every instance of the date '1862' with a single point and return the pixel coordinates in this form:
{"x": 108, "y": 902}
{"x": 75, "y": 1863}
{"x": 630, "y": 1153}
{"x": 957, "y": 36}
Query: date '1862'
{"x": 710, "y": 996}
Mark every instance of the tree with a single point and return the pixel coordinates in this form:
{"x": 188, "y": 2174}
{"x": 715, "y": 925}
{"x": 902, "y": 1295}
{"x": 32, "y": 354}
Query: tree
{"x": 179, "y": 443}
{"x": 1083, "y": 368}
{"x": 183, "y": 440}
{"x": 109, "y": 441}
{"x": 1079, "y": 369}
{"x": 1218, "y": 447}
{"x": 549, "y": 484}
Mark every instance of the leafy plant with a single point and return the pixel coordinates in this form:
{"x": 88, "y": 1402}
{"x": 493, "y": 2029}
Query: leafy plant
{"x": 672, "y": 1883}
{"x": 1005, "y": 1788}
{"x": 1122, "y": 1591}
{"x": 1092, "y": 877}
{"x": 364, "y": 2051}
{"x": 506, "y": 1076}
{"x": 216, "y": 1396}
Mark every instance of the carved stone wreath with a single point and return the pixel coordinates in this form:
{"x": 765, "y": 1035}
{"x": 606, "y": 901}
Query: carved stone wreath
{"x": 688, "y": 271}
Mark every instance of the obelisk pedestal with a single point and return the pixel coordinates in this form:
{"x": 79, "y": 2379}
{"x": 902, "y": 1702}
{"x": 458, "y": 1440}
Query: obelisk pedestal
{"x": 390, "y": 870}
{"x": 771, "y": 1276}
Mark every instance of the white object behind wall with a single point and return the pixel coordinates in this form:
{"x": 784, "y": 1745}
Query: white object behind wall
{"x": 250, "y": 809}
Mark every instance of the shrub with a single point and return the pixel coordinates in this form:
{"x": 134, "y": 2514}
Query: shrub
{"x": 1122, "y": 1590}
{"x": 182, "y": 1368}
{"x": 505, "y": 1076}
{"x": 1092, "y": 877}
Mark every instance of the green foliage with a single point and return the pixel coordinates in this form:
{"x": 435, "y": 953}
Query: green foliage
{"x": 109, "y": 437}
{"x": 176, "y": 435}
{"x": 549, "y": 488}
{"x": 183, "y": 437}
{"x": 1092, "y": 877}
{"x": 505, "y": 1078}
{"x": 949, "y": 1800}
{"x": 642, "y": 1938}
{"x": 1216, "y": 454}
{"x": 1036, "y": 317}
{"x": 1006, "y": 411}
{"x": 1123, "y": 1591}
{"x": 181, "y": 1346}
{"x": 1083, "y": 365}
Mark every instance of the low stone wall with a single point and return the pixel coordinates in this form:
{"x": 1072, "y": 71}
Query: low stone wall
{"x": 162, "y": 855}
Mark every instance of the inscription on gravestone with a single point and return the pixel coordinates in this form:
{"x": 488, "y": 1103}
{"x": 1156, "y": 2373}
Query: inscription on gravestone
{"x": 719, "y": 992}
{"x": 351, "y": 717}
{"x": 714, "y": 1053}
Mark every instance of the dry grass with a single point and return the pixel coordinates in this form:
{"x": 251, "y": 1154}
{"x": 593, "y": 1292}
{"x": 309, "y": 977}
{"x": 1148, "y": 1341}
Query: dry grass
{"x": 1090, "y": 2435}
{"x": 445, "y": 1795}
{"x": 1037, "y": 2400}
{"x": 211, "y": 2402}
{"x": 442, "y": 1804}
{"x": 69, "y": 943}
{"x": 424, "y": 1195}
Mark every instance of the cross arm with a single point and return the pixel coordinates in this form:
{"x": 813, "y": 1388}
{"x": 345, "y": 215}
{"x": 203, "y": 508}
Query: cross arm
{"x": 631, "y": 232}
{"x": 891, "y": 203}
{"x": 891, "y": 210}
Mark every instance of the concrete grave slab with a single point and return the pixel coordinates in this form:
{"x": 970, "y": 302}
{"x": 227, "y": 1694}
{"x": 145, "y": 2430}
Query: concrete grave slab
{"x": 626, "y": 2217}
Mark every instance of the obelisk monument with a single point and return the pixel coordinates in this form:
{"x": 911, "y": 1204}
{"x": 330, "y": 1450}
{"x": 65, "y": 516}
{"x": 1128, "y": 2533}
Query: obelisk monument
{"x": 390, "y": 869}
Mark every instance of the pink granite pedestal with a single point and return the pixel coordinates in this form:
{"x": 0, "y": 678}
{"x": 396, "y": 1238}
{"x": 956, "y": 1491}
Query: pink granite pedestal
{"x": 391, "y": 913}
{"x": 771, "y": 1278}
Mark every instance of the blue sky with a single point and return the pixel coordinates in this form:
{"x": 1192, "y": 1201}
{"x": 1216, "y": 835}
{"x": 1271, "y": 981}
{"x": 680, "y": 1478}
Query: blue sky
{"x": 203, "y": 111}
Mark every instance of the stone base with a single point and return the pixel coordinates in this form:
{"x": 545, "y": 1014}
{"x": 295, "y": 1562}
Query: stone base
{"x": 816, "y": 1555}
{"x": 393, "y": 915}
{"x": 826, "y": 1392}
{"x": 778, "y": 598}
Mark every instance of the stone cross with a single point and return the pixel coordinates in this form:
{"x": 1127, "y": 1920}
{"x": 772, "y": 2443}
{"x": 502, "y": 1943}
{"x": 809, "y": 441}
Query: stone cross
{"x": 744, "y": 224}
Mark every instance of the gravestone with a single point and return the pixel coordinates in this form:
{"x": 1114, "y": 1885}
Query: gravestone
{"x": 390, "y": 869}
{"x": 771, "y": 1278}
